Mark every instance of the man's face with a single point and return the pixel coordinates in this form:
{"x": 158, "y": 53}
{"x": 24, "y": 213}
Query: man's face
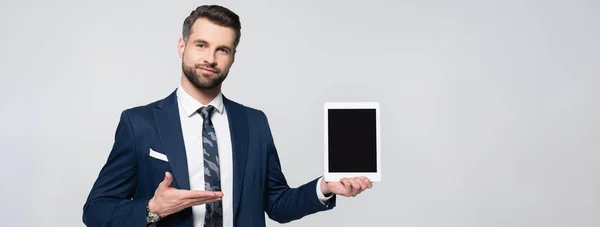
{"x": 208, "y": 54}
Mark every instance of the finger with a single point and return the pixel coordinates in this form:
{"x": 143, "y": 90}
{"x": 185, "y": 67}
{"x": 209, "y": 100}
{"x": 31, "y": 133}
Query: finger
{"x": 368, "y": 182}
{"x": 201, "y": 200}
{"x": 167, "y": 181}
{"x": 355, "y": 186}
{"x": 347, "y": 186}
{"x": 199, "y": 194}
{"x": 196, "y": 202}
{"x": 363, "y": 183}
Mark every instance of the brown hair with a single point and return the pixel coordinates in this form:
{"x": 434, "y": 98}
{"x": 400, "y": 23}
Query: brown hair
{"x": 215, "y": 14}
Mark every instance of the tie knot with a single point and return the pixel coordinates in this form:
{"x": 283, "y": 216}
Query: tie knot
{"x": 206, "y": 112}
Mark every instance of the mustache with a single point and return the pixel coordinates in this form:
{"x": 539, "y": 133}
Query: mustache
{"x": 208, "y": 66}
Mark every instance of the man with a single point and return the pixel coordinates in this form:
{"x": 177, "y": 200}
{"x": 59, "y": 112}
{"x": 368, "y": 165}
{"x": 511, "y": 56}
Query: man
{"x": 197, "y": 158}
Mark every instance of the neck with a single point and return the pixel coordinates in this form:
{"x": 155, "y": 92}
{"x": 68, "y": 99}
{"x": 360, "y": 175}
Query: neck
{"x": 203, "y": 96}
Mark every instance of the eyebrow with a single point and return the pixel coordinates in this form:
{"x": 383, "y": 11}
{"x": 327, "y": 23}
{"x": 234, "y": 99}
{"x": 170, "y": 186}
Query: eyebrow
{"x": 222, "y": 46}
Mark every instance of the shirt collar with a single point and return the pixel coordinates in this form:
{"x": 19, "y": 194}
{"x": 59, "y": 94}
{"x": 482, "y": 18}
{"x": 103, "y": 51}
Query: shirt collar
{"x": 191, "y": 105}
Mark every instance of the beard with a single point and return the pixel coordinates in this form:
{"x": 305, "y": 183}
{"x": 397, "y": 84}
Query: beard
{"x": 201, "y": 80}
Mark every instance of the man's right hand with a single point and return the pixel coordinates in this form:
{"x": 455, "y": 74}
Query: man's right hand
{"x": 168, "y": 200}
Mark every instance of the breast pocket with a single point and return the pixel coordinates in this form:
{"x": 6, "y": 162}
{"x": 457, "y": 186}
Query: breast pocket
{"x": 157, "y": 160}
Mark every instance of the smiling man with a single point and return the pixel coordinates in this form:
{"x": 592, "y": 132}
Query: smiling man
{"x": 197, "y": 158}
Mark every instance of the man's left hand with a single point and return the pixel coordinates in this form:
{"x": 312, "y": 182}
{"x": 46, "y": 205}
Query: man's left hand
{"x": 348, "y": 187}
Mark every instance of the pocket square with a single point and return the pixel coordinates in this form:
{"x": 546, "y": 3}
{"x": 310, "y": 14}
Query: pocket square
{"x": 157, "y": 155}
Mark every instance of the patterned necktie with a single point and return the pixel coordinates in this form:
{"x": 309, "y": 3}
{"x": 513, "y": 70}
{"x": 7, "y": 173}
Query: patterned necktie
{"x": 212, "y": 174}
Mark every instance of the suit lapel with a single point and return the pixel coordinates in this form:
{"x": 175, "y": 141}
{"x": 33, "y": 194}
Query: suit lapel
{"x": 169, "y": 130}
{"x": 238, "y": 127}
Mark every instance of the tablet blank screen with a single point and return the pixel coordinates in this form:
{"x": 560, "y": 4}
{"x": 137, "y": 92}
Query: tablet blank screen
{"x": 352, "y": 140}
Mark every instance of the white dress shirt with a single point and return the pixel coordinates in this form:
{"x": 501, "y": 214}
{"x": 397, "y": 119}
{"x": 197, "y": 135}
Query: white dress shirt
{"x": 191, "y": 126}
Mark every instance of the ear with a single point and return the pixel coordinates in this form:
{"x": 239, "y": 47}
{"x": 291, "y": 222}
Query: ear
{"x": 233, "y": 57}
{"x": 181, "y": 47}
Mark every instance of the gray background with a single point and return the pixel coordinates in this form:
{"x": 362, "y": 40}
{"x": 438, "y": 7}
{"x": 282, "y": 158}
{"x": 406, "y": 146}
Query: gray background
{"x": 489, "y": 108}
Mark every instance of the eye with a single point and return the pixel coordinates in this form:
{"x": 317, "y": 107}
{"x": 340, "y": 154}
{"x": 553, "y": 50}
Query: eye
{"x": 201, "y": 45}
{"x": 224, "y": 50}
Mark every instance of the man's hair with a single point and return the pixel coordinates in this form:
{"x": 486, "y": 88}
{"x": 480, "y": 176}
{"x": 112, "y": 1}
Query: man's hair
{"x": 216, "y": 14}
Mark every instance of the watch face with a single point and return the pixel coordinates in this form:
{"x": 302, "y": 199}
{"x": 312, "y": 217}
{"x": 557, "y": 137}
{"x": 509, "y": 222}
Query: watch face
{"x": 151, "y": 217}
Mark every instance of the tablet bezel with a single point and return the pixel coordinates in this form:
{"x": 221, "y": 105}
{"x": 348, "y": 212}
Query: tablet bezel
{"x": 335, "y": 177}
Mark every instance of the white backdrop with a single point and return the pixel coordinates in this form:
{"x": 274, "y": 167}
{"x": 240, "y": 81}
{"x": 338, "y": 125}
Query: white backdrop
{"x": 489, "y": 108}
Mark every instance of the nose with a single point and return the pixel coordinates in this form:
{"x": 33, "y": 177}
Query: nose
{"x": 209, "y": 58}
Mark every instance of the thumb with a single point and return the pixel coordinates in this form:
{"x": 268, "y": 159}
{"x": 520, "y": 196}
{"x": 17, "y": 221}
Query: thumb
{"x": 166, "y": 183}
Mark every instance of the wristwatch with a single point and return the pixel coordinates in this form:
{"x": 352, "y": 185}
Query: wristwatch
{"x": 151, "y": 218}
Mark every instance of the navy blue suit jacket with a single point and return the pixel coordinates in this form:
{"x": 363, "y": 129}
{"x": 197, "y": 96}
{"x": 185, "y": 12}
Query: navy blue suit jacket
{"x": 130, "y": 176}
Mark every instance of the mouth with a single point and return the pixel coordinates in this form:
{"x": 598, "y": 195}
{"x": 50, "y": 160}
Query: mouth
{"x": 207, "y": 70}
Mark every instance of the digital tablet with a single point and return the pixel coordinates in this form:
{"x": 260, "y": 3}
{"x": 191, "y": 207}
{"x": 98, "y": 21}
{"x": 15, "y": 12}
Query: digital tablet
{"x": 352, "y": 140}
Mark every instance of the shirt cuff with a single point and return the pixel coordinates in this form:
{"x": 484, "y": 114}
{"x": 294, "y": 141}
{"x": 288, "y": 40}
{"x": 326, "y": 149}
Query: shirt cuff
{"x": 320, "y": 194}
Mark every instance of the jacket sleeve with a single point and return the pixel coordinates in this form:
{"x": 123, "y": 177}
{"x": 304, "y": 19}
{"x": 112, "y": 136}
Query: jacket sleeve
{"x": 285, "y": 204}
{"x": 110, "y": 202}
